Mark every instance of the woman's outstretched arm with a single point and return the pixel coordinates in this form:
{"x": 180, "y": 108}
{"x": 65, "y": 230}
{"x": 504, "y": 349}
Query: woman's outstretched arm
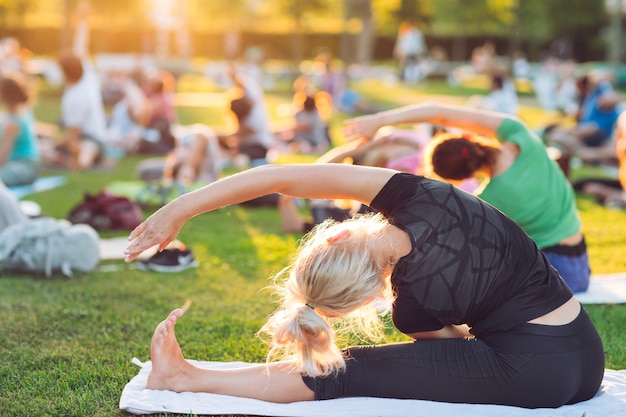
{"x": 313, "y": 181}
{"x": 479, "y": 121}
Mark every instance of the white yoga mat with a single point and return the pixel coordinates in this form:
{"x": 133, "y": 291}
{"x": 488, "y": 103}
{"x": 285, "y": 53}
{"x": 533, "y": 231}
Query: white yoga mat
{"x": 136, "y": 399}
{"x": 605, "y": 289}
{"x": 113, "y": 248}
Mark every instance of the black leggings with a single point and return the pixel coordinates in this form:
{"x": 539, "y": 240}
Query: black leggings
{"x": 530, "y": 366}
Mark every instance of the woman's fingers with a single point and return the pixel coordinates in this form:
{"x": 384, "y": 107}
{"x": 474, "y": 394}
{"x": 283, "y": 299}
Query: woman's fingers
{"x": 137, "y": 231}
{"x": 141, "y": 239}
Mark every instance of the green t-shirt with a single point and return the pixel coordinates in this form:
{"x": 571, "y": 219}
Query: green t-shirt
{"x": 533, "y": 192}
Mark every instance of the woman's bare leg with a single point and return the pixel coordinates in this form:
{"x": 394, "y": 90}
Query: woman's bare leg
{"x": 170, "y": 371}
{"x": 292, "y": 221}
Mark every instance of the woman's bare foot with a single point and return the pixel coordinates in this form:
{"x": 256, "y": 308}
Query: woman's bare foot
{"x": 168, "y": 363}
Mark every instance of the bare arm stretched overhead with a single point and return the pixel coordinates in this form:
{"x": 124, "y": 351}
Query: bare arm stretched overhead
{"x": 320, "y": 181}
{"x": 478, "y": 121}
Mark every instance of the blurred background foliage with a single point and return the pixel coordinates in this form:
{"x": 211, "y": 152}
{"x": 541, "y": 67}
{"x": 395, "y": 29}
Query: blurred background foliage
{"x": 357, "y": 30}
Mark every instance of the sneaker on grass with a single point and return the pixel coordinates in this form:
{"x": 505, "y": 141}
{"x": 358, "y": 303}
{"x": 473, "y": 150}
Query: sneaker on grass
{"x": 169, "y": 260}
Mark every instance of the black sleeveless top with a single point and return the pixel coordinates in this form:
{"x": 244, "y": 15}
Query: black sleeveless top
{"x": 469, "y": 263}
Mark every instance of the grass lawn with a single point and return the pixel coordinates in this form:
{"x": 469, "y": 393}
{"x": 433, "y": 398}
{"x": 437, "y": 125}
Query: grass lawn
{"x": 67, "y": 343}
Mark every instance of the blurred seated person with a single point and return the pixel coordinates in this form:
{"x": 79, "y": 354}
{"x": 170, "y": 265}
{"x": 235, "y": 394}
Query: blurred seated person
{"x": 19, "y": 147}
{"x": 161, "y": 114}
{"x": 197, "y": 157}
{"x": 309, "y": 135}
{"x": 567, "y": 95}
{"x": 333, "y": 86}
{"x": 83, "y": 118}
{"x": 200, "y": 154}
{"x": 253, "y": 136}
{"x": 521, "y": 68}
{"x": 502, "y": 97}
{"x": 130, "y": 114}
{"x": 595, "y": 120}
{"x": 13, "y": 56}
{"x": 245, "y": 146}
{"x": 610, "y": 192}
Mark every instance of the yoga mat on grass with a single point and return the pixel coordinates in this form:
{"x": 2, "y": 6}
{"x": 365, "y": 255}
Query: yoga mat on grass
{"x": 113, "y": 248}
{"x": 136, "y": 399}
{"x": 605, "y": 289}
{"x": 41, "y": 184}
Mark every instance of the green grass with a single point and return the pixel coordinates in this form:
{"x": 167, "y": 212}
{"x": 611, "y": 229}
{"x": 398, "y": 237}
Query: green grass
{"x": 67, "y": 343}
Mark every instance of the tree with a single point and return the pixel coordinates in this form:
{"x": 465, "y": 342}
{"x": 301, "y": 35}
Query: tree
{"x": 578, "y": 23}
{"x": 362, "y": 11}
{"x": 297, "y": 9}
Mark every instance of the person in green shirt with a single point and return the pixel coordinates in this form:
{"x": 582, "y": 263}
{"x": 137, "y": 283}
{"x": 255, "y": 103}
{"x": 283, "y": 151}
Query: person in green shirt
{"x": 517, "y": 175}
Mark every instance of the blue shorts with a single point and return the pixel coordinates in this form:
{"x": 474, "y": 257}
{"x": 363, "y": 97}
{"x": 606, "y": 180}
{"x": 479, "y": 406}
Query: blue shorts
{"x": 572, "y": 264}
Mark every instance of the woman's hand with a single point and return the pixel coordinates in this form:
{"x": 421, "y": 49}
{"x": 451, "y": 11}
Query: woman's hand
{"x": 361, "y": 127}
{"x": 313, "y": 181}
{"x": 161, "y": 229}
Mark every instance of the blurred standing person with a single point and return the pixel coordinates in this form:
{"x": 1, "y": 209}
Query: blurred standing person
{"x": 409, "y": 47}
{"x": 19, "y": 148}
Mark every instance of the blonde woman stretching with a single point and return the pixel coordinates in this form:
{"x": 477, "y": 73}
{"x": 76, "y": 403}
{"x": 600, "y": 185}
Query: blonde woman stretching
{"x": 493, "y": 323}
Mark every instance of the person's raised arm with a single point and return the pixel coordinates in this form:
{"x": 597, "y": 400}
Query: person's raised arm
{"x": 313, "y": 181}
{"x": 80, "y": 43}
{"x": 478, "y": 121}
{"x": 339, "y": 153}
